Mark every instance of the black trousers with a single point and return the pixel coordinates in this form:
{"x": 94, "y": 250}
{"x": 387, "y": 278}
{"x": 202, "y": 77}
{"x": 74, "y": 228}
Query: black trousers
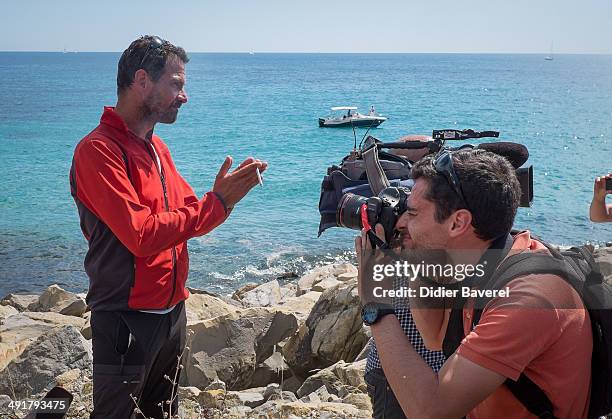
{"x": 132, "y": 354}
{"x": 384, "y": 403}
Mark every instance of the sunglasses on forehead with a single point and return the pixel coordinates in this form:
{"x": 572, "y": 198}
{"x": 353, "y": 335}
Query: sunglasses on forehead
{"x": 443, "y": 164}
{"x": 155, "y": 43}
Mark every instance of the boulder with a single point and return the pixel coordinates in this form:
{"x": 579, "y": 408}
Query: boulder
{"x": 603, "y": 256}
{"x": 237, "y": 295}
{"x": 251, "y": 398}
{"x": 339, "y": 379}
{"x": 59, "y": 350}
{"x": 326, "y": 283}
{"x": 272, "y": 370}
{"x": 229, "y": 347}
{"x": 86, "y": 329}
{"x": 316, "y": 275}
{"x": 58, "y": 300}
{"x": 333, "y": 331}
{"x": 264, "y": 295}
{"x": 7, "y": 311}
{"x": 277, "y": 409}
{"x": 189, "y": 393}
{"x": 301, "y": 306}
{"x": 21, "y": 330}
{"x": 19, "y": 301}
{"x": 360, "y": 400}
{"x": 203, "y": 306}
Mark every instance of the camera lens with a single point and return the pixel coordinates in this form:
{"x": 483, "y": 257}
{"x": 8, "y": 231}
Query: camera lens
{"x": 348, "y": 212}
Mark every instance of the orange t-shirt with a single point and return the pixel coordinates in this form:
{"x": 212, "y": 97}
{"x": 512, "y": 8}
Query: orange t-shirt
{"x": 541, "y": 330}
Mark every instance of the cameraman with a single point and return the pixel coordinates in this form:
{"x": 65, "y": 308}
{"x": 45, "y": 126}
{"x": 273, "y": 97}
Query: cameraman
{"x": 468, "y": 200}
{"x": 600, "y": 211}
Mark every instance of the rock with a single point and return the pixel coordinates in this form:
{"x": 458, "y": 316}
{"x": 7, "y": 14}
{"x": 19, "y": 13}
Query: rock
{"x": 301, "y": 306}
{"x": 323, "y": 394}
{"x": 52, "y": 354}
{"x": 287, "y": 396}
{"x": 206, "y": 306}
{"x": 58, "y": 300}
{"x": 360, "y": 400}
{"x": 20, "y": 330}
{"x": 265, "y": 295}
{"x": 347, "y": 276}
{"x": 326, "y": 283}
{"x": 365, "y": 351}
{"x": 276, "y": 409}
{"x": 272, "y": 370}
{"x": 7, "y": 311}
{"x": 229, "y": 347}
{"x": 86, "y": 329}
{"x": 292, "y": 384}
{"x": 251, "y": 397}
{"x": 216, "y": 385}
{"x": 288, "y": 291}
{"x": 190, "y": 393}
{"x": 351, "y": 374}
{"x": 326, "y": 378}
{"x": 271, "y": 389}
{"x": 313, "y": 277}
{"x": 217, "y": 399}
{"x": 69, "y": 380}
{"x": 19, "y": 301}
{"x": 603, "y": 256}
{"x": 339, "y": 379}
{"x": 333, "y": 331}
{"x": 311, "y": 398}
{"x": 237, "y": 295}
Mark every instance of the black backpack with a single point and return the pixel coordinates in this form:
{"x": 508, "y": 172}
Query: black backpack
{"x": 578, "y": 267}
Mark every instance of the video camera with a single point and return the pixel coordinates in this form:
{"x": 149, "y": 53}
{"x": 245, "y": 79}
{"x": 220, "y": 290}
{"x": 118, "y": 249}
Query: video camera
{"x": 372, "y": 185}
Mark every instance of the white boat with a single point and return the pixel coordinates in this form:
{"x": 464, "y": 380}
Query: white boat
{"x": 550, "y": 57}
{"x": 352, "y": 118}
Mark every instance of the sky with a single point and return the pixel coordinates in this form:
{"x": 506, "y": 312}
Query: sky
{"x": 408, "y": 26}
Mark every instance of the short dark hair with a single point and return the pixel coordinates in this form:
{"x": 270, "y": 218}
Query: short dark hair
{"x": 489, "y": 184}
{"x": 132, "y": 60}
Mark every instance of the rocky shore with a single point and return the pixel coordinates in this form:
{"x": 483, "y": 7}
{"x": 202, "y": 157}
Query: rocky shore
{"x": 295, "y": 350}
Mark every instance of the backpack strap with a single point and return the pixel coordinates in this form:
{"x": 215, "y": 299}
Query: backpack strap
{"x": 524, "y": 389}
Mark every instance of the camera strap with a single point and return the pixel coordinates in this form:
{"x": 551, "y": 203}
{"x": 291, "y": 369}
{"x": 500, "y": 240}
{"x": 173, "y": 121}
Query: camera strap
{"x": 374, "y": 239}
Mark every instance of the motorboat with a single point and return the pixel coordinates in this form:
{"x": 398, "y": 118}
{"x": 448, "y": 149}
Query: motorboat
{"x": 348, "y": 116}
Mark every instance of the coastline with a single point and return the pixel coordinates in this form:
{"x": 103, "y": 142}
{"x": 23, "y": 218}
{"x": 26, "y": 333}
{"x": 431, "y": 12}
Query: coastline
{"x": 250, "y": 353}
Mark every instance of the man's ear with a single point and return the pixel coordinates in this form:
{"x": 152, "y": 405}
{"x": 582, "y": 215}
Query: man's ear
{"x": 461, "y": 222}
{"x": 141, "y": 79}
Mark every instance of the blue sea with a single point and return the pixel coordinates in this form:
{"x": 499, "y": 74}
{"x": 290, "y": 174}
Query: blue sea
{"x": 266, "y": 105}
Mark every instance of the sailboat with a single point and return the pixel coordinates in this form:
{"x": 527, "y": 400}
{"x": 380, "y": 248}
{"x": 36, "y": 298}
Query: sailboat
{"x": 550, "y": 57}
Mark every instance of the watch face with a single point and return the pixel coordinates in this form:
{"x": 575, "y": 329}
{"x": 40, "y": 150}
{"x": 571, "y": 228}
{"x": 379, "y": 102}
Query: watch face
{"x": 369, "y": 313}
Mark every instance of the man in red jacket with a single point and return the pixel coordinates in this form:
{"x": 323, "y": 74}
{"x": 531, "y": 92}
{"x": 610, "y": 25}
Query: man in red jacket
{"x": 137, "y": 214}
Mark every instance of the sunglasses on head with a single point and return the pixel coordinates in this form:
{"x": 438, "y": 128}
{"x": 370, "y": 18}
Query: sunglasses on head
{"x": 155, "y": 44}
{"x": 443, "y": 164}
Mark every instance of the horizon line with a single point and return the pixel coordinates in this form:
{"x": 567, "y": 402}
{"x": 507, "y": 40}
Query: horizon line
{"x": 254, "y": 52}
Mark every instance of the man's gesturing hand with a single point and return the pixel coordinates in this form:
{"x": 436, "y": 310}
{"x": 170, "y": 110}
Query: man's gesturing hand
{"x": 233, "y": 186}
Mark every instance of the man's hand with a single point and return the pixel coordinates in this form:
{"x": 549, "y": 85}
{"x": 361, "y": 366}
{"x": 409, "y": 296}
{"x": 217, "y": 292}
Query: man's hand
{"x": 233, "y": 186}
{"x": 365, "y": 253}
{"x": 600, "y": 211}
{"x": 599, "y": 189}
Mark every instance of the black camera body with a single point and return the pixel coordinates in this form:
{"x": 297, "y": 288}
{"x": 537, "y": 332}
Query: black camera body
{"x": 356, "y": 212}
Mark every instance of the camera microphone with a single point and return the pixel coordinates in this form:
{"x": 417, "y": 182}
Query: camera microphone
{"x": 516, "y": 154}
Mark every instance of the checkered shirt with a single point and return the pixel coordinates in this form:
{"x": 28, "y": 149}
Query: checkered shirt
{"x": 435, "y": 359}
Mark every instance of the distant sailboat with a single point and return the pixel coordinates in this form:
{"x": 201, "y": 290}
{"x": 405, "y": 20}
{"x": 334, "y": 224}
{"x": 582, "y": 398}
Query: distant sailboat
{"x": 550, "y": 57}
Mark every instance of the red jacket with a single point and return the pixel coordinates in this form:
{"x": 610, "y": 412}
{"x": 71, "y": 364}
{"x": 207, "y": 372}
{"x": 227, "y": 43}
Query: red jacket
{"x": 136, "y": 221}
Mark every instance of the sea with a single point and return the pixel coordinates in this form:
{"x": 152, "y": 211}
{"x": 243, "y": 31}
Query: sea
{"x": 267, "y": 105}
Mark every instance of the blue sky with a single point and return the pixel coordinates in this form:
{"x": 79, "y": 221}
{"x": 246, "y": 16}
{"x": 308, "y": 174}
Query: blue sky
{"x": 519, "y": 26}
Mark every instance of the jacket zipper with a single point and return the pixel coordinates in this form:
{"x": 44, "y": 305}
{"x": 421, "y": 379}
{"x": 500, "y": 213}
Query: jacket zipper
{"x": 163, "y": 183}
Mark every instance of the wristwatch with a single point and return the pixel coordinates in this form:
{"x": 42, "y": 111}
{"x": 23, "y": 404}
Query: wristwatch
{"x": 372, "y": 312}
